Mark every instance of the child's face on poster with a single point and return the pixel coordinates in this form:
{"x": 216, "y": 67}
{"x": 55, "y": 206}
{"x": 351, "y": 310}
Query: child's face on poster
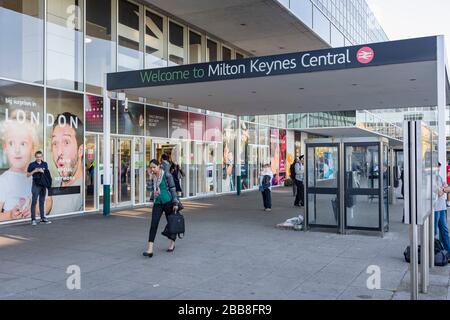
{"x": 18, "y": 146}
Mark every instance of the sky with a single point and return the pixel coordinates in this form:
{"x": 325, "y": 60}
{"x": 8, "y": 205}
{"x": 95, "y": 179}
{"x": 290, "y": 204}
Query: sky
{"x": 402, "y": 19}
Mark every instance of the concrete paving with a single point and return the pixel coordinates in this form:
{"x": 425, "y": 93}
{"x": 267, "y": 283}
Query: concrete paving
{"x": 232, "y": 250}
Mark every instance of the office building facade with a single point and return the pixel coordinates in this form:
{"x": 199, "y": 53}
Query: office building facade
{"x": 53, "y": 61}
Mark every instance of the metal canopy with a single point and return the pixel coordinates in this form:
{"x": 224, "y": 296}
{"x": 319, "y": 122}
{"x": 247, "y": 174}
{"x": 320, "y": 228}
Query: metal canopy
{"x": 384, "y": 75}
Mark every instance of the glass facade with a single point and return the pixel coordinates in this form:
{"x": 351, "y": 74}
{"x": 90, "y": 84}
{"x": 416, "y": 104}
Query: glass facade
{"x": 63, "y": 116}
{"x": 341, "y": 22}
{"x": 51, "y": 82}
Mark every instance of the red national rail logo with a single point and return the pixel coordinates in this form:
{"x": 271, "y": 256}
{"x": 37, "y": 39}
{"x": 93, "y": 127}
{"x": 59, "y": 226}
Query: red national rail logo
{"x": 365, "y": 55}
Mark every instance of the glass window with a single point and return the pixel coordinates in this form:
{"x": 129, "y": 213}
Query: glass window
{"x": 154, "y": 40}
{"x": 226, "y": 53}
{"x": 22, "y": 29}
{"x": 129, "y": 51}
{"x": 303, "y": 9}
{"x": 285, "y": 3}
{"x": 157, "y": 122}
{"x": 211, "y": 50}
{"x": 273, "y": 120}
{"x": 65, "y": 148}
{"x": 100, "y": 43}
{"x": 282, "y": 120}
{"x": 176, "y": 44}
{"x": 195, "y": 47}
{"x": 21, "y": 135}
{"x": 263, "y": 119}
{"x": 239, "y": 56}
{"x": 131, "y": 118}
{"x": 93, "y": 113}
{"x": 337, "y": 38}
{"x": 321, "y": 25}
{"x": 65, "y": 44}
{"x": 363, "y": 168}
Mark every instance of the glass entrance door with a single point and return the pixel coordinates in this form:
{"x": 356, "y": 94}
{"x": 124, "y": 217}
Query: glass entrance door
{"x": 139, "y": 170}
{"x": 211, "y": 149}
{"x": 322, "y": 185}
{"x": 91, "y": 172}
{"x": 124, "y": 171}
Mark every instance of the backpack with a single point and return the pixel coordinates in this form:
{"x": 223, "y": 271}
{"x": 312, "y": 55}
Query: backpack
{"x": 292, "y": 171}
{"x": 266, "y": 182}
{"x": 440, "y": 254}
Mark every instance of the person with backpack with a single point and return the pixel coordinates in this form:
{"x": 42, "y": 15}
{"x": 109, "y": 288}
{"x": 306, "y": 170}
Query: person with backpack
{"x": 265, "y": 186}
{"x": 162, "y": 186}
{"x": 292, "y": 176}
{"x": 440, "y": 211}
{"x": 299, "y": 198}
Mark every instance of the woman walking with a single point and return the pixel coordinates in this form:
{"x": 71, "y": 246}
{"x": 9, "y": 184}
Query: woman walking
{"x": 265, "y": 183}
{"x": 162, "y": 186}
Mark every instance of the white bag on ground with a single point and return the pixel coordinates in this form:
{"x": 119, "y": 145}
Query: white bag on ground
{"x": 295, "y": 223}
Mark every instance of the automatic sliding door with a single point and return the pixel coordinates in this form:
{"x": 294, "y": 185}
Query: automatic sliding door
{"x": 91, "y": 154}
{"x": 124, "y": 171}
{"x": 139, "y": 174}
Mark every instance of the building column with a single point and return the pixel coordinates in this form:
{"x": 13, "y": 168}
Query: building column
{"x": 106, "y": 151}
{"x": 238, "y": 157}
{"x": 441, "y": 108}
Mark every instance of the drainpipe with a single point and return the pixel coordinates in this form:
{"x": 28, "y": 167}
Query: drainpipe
{"x": 106, "y": 151}
{"x": 238, "y": 158}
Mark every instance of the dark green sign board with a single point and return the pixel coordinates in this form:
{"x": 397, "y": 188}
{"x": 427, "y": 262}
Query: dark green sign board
{"x": 376, "y": 54}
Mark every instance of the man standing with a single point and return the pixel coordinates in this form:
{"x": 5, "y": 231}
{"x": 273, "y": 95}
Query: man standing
{"x": 292, "y": 176}
{"x": 440, "y": 212}
{"x": 299, "y": 198}
{"x": 37, "y": 169}
{"x": 67, "y": 152}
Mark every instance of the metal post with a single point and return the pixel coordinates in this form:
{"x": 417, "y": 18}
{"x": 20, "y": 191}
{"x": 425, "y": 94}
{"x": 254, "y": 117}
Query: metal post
{"x": 106, "y": 151}
{"x": 392, "y": 199}
{"x": 424, "y": 257}
{"x": 238, "y": 157}
{"x": 411, "y": 203}
{"x": 441, "y": 105}
{"x": 431, "y": 240}
{"x": 341, "y": 186}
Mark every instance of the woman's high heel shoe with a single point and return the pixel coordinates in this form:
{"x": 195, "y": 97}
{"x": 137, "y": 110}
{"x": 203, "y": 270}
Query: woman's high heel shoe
{"x": 147, "y": 254}
{"x": 171, "y": 250}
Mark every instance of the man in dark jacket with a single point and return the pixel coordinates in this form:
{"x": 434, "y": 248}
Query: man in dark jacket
{"x": 38, "y": 190}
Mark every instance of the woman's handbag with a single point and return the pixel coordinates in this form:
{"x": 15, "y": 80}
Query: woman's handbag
{"x": 175, "y": 224}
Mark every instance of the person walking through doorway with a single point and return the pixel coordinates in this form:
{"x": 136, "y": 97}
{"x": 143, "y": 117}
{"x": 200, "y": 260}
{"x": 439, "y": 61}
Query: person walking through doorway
{"x": 162, "y": 186}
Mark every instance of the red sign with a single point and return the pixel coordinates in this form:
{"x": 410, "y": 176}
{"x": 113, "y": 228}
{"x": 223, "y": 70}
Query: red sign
{"x": 448, "y": 174}
{"x": 365, "y": 55}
